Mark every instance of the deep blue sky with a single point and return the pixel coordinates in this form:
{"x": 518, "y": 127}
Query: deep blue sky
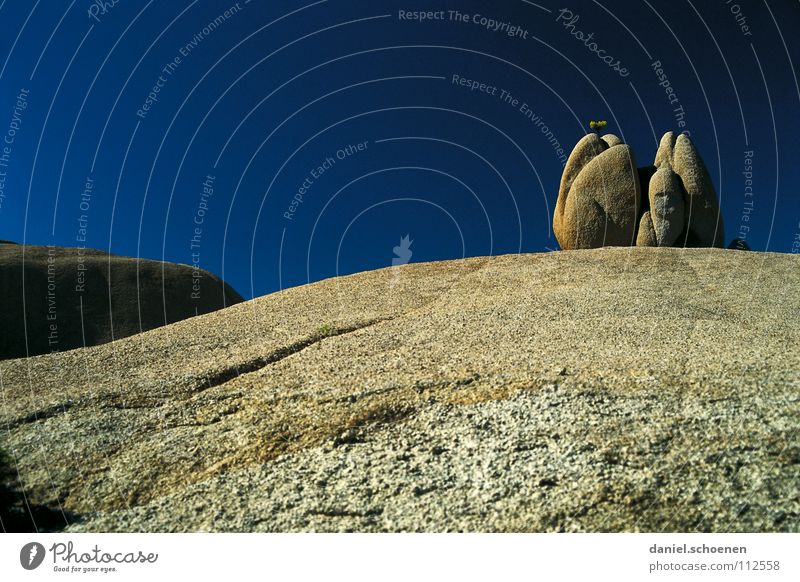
{"x": 279, "y": 86}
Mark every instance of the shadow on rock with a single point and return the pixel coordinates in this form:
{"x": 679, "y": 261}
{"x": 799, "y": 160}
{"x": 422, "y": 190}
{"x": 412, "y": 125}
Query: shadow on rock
{"x": 18, "y": 515}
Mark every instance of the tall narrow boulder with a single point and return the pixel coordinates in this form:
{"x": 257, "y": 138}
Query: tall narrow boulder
{"x": 666, "y": 206}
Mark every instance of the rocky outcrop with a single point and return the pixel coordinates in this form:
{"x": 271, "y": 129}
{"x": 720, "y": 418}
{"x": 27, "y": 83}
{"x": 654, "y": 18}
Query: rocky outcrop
{"x": 672, "y": 203}
{"x": 613, "y": 389}
{"x": 56, "y": 298}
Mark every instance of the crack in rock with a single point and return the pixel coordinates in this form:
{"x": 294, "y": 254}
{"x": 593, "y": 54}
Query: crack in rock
{"x": 372, "y": 512}
{"x": 221, "y": 377}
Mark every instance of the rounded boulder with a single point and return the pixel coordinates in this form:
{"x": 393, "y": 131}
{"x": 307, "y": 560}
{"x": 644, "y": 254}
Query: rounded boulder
{"x": 602, "y": 205}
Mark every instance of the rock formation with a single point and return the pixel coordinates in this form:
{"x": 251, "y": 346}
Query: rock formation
{"x": 604, "y": 200}
{"x": 615, "y": 389}
{"x": 56, "y": 299}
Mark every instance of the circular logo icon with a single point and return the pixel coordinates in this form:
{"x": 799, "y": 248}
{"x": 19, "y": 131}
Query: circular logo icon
{"x": 31, "y": 555}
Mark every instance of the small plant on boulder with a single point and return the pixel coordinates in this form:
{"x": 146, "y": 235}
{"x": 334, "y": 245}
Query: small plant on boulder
{"x": 596, "y": 126}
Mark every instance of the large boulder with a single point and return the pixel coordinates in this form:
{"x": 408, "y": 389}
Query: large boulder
{"x": 584, "y": 152}
{"x": 56, "y": 299}
{"x": 599, "y": 197}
